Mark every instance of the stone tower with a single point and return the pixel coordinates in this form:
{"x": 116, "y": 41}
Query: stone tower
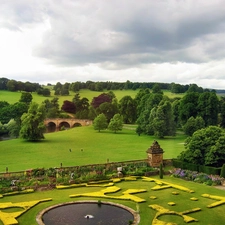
{"x": 155, "y": 155}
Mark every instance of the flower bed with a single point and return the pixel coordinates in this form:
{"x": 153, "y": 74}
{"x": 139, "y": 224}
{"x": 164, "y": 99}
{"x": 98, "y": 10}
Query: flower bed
{"x": 197, "y": 177}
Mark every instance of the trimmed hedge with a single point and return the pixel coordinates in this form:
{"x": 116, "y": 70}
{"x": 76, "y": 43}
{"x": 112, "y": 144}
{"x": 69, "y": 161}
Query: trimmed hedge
{"x": 199, "y": 168}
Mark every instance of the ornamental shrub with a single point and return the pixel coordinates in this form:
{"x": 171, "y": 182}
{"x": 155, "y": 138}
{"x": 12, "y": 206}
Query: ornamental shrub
{"x": 222, "y": 173}
{"x": 161, "y": 171}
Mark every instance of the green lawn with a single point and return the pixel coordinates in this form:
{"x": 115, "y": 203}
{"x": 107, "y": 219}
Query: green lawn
{"x": 13, "y": 97}
{"x": 206, "y": 216}
{"x": 97, "y": 147}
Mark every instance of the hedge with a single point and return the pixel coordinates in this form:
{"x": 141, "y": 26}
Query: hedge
{"x": 199, "y": 168}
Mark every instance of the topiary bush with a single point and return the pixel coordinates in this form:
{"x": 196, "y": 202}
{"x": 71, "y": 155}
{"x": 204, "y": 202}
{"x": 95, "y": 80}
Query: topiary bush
{"x": 161, "y": 171}
{"x": 222, "y": 173}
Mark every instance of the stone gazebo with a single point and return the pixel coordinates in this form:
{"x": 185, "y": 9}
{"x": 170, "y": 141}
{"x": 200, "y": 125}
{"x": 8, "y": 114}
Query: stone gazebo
{"x": 155, "y": 155}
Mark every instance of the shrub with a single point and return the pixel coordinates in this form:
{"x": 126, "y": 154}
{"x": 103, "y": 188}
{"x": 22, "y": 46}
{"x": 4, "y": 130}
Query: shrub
{"x": 222, "y": 173}
{"x": 161, "y": 171}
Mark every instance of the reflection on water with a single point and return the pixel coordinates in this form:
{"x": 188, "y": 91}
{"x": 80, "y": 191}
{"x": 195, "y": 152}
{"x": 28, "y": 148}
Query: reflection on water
{"x": 75, "y": 214}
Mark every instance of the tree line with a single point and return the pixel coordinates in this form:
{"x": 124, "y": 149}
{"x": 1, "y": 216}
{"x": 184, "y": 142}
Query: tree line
{"x": 63, "y": 89}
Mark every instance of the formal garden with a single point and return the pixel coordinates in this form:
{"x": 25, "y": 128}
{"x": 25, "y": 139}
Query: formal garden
{"x": 157, "y": 201}
{"x": 176, "y": 197}
{"x": 109, "y": 161}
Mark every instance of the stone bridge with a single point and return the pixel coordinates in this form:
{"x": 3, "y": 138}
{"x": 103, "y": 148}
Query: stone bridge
{"x": 56, "y": 124}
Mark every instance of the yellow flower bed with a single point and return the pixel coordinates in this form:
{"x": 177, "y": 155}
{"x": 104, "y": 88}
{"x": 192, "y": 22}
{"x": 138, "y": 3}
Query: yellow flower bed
{"x": 162, "y": 184}
{"x": 163, "y": 211}
{"x": 153, "y": 197}
{"x": 127, "y": 195}
{"x": 221, "y": 200}
{"x": 10, "y": 218}
{"x": 100, "y": 185}
{"x": 19, "y": 192}
{"x": 70, "y": 186}
{"x": 194, "y": 199}
{"x": 131, "y": 178}
{"x": 157, "y": 187}
{"x": 116, "y": 180}
{"x": 171, "y": 203}
{"x": 83, "y": 185}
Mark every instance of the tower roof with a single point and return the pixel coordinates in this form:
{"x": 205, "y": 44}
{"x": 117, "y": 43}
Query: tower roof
{"x": 155, "y": 148}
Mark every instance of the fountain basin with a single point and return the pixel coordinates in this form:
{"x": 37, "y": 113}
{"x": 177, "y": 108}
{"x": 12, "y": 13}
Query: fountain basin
{"x": 70, "y": 213}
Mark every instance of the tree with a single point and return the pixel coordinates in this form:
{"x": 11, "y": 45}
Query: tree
{"x": 205, "y": 147}
{"x": 65, "y": 91}
{"x": 80, "y": 103}
{"x": 3, "y": 129}
{"x": 13, "y": 128}
{"x": 194, "y": 88}
{"x": 26, "y": 97}
{"x": 116, "y": 123}
{"x": 156, "y": 89}
{"x": 208, "y": 107}
{"x": 222, "y": 112}
{"x": 46, "y": 92}
{"x": 11, "y": 85}
{"x": 162, "y": 121}
{"x": 14, "y": 111}
{"x": 100, "y": 122}
{"x": 68, "y": 106}
{"x": 188, "y": 107}
{"x": 147, "y": 103}
{"x": 140, "y": 99}
{"x": 139, "y": 130}
{"x": 3, "y": 83}
{"x": 222, "y": 173}
{"x": 32, "y": 126}
{"x": 127, "y": 107}
{"x": 52, "y": 108}
{"x": 175, "y": 109}
{"x": 97, "y": 101}
{"x": 193, "y": 124}
{"x": 109, "y": 110}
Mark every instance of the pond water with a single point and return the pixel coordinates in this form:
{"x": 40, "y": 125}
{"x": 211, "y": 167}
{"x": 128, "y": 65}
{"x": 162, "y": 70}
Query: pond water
{"x": 87, "y": 214}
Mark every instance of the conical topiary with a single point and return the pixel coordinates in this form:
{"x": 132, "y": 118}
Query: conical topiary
{"x": 222, "y": 172}
{"x": 161, "y": 171}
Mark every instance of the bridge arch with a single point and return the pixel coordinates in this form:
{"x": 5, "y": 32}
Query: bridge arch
{"x": 56, "y": 124}
{"x": 77, "y": 124}
{"x": 51, "y": 127}
{"x": 64, "y": 125}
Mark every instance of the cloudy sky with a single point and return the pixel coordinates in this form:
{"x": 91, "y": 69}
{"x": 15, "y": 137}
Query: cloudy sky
{"x": 179, "y": 41}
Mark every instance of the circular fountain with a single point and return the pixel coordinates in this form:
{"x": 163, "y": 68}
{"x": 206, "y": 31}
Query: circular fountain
{"x": 88, "y": 213}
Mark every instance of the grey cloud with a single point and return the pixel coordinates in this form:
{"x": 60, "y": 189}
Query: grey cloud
{"x": 16, "y": 14}
{"x": 119, "y": 35}
{"x": 112, "y": 31}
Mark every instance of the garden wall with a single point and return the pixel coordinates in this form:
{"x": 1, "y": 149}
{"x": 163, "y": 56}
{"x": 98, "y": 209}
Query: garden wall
{"x": 166, "y": 162}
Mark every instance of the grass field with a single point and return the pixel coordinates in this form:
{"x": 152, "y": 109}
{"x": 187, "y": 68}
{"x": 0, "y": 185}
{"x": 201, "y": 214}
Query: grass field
{"x": 206, "y": 216}
{"x": 18, "y": 154}
{"x": 13, "y": 97}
